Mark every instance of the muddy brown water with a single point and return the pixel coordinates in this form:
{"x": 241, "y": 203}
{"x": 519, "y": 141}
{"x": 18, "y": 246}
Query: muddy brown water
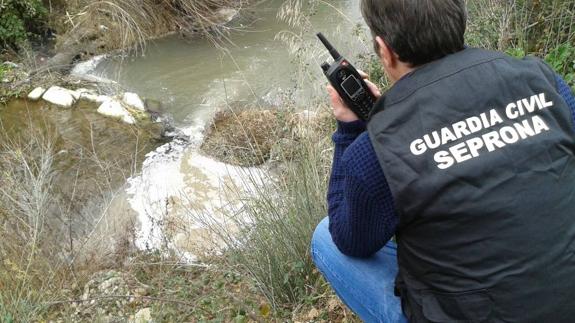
{"x": 254, "y": 64}
{"x": 92, "y": 155}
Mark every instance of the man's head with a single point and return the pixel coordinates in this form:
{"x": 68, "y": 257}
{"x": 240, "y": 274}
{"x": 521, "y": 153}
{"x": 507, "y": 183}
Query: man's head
{"x": 415, "y": 32}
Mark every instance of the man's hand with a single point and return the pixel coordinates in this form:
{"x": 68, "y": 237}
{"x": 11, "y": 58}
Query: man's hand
{"x": 340, "y": 110}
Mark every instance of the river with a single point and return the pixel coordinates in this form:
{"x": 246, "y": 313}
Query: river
{"x": 194, "y": 78}
{"x": 263, "y": 61}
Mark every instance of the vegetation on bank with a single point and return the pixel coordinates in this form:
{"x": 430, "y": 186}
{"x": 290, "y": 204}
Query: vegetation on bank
{"x": 543, "y": 28}
{"x": 247, "y": 137}
{"x": 126, "y": 23}
{"x": 20, "y": 20}
{"x": 266, "y": 273}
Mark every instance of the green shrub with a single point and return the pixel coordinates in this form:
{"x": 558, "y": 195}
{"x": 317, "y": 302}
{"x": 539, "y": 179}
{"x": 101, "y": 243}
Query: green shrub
{"x": 543, "y": 28}
{"x": 545, "y": 24}
{"x": 534, "y": 26}
{"x": 371, "y": 65}
{"x": 516, "y": 52}
{"x": 3, "y": 70}
{"x": 17, "y": 18}
{"x": 562, "y": 60}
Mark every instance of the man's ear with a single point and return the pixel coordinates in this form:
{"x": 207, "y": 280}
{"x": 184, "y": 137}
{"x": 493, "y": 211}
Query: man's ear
{"x": 386, "y": 54}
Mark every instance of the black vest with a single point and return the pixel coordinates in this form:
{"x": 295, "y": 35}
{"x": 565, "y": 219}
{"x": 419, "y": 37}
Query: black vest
{"x": 478, "y": 150}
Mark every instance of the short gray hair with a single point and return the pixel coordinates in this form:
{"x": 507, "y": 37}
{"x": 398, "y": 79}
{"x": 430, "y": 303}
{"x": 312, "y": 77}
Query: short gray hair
{"x": 418, "y": 31}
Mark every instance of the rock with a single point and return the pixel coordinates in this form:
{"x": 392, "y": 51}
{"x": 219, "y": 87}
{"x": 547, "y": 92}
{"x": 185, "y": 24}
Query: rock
{"x": 59, "y": 96}
{"x": 134, "y": 101}
{"x": 78, "y": 93}
{"x": 155, "y": 106}
{"x": 313, "y": 314}
{"x": 100, "y": 300}
{"x": 231, "y": 137}
{"x": 114, "y": 108}
{"x": 91, "y": 95}
{"x": 102, "y": 98}
{"x": 37, "y": 93}
{"x": 95, "y": 98}
{"x": 333, "y": 304}
{"x": 141, "y": 291}
{"x": 143, "y": 316}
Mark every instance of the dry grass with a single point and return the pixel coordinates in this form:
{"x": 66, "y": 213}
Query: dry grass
{"x": 129, "y": 24}
{"x": 246, "y": 138}
{"x": 277, "y": 223}
{"x": 25, "y": 201}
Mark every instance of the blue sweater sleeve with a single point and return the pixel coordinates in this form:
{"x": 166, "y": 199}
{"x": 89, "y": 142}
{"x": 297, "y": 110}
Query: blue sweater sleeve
{"x": 567, "y": 94}
{"x": 361, "y": 209}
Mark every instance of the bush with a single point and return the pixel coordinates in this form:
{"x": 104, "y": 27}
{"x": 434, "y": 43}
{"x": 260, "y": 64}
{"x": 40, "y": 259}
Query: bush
{"x": 562, "y": 60}
{"x": 17, "y": 19}
{"x": 26, "y": 268}
{"x": 543, "y": 28}
{"x": 245, "y": 138}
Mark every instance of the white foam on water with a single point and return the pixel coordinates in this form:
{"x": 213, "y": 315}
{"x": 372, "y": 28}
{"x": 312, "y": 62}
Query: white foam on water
{"x": 222, "y": 184}
{"x": 148, "y": 192}
{"x": 177, "y": 179}
{"x": 160, "y": 178}
{"x": 84, "y": 68}
{"x": 85, "y": 71}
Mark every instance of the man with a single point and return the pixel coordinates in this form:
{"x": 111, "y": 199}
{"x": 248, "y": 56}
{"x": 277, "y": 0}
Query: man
{"x": 469, "y": 160}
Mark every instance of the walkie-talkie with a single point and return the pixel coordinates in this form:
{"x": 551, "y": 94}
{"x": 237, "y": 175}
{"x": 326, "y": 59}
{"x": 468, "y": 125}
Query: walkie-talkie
{"x": 347, "y": 82}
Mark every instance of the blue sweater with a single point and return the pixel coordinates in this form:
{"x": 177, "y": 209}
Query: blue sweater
{"x": 362, "y": 217}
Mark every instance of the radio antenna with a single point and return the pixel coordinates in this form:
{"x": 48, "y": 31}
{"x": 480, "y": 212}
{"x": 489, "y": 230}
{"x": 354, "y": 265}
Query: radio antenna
{"x": 334, "y": 53}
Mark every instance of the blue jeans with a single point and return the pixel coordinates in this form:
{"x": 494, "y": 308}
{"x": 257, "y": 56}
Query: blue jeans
{"x": 364, "y": 285}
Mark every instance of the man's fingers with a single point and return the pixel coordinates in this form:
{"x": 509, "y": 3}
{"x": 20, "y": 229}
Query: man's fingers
{"x": 363, "y": 74}
{"x": 334, "y": 97}
{"x": 373, "y": 88}
{"x": 340, "y": 110}
{"x": 332, "y": 92}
